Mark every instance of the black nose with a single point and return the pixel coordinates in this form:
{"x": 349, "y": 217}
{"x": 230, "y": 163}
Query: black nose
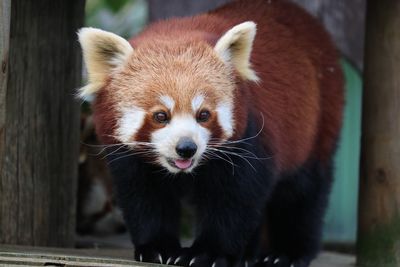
{"x": 186, "y": 148}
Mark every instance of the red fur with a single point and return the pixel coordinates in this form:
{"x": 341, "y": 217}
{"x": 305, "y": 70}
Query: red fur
{"x": 300, "y": 95}
{"x": 104, "y": 117}
{"x": 301, "y": 90}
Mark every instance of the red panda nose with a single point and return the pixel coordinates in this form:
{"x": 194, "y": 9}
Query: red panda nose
{"x": 186, "y": 147}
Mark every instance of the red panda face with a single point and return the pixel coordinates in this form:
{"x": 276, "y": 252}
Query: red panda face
{"x": 170, "y": 97}
{"x": 176, "y": 99}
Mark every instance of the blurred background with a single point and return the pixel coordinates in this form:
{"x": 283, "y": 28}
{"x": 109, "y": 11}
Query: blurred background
{"x": 99, "y": 221}
{"x": 46, "y": 201}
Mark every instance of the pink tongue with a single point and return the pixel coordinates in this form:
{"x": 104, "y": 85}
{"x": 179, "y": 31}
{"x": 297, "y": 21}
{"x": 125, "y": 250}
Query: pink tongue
{"x": 183, "y": 164}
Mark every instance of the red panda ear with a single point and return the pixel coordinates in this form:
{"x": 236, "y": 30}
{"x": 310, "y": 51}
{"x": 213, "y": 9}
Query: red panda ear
{"x": 103, "y": 52}
{"x": 235, "y": 46}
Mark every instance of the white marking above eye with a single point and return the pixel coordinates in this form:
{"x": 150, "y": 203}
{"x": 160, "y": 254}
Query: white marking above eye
{"x": 130, "y": 122}
{"x": 197, "y": 101}
{"x": 168, "y": 102}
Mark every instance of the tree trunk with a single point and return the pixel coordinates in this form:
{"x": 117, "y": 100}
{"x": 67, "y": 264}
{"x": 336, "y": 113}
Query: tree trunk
{"x": 39, "y": 120}
{"x": 379, "y": 210}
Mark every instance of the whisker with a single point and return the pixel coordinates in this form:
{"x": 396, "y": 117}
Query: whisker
{"x": 229, "y": 160}
{"x": 114, "y": 152}
{"x": 133, "y": 142}
{"x": 235, "y": 154}
{"x": 238, "y": 148}
{"x": 248, "y": 138}
{"x": 120, "y": 158}
{"x": 248, "y": 154}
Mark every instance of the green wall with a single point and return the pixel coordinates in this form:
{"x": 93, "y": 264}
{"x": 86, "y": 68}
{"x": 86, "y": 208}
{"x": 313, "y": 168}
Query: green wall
{"x": 341, "y": 219}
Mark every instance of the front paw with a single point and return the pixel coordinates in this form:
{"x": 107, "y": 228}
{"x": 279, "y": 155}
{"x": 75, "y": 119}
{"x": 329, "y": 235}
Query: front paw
{"x": 281, "y": 261}
{"x": 154, "y": 254}
{"x": 191, "y": 258}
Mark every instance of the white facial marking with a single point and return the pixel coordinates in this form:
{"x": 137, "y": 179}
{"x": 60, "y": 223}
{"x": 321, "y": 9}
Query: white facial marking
{"x": 168, "y": 102}
{"x": 225, "y": 118}
{"x": 197, "y": 102}
{"x": 130, "y": 122}
{"x": 166, "y": 139}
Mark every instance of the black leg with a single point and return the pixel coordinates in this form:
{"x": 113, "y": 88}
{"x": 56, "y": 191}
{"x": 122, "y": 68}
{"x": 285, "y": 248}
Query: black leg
{"x": 230, "y": 205}
{"x": 151, "y": 208}
{"x": 295, "y": 217}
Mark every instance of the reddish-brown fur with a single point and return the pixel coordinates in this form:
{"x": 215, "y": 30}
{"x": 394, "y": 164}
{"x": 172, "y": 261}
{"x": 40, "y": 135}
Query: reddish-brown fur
{"x": 300, "y": 90}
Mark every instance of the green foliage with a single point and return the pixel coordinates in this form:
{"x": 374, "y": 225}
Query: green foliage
{"x": 116, "y": 5}
{"x": 123, "y": 17}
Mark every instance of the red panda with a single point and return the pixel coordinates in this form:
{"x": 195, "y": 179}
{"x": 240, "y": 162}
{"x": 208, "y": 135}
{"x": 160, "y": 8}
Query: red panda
{"x": 240, "y": 109}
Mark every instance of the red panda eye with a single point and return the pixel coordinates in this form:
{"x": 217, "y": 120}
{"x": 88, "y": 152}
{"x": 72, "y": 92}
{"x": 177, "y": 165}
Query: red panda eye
{"x": 203, "y": 116}
{"x": 161, "y": 117}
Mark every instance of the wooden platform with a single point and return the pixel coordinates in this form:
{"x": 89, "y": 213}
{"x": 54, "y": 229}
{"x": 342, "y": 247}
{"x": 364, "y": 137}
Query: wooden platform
{"x": 27, "y": 256}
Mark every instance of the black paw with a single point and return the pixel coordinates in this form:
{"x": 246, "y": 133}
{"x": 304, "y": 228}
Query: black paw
{"x": 149, "y": 253}
{"x": 281, "y": 261}
{"x": 190, "y": 258}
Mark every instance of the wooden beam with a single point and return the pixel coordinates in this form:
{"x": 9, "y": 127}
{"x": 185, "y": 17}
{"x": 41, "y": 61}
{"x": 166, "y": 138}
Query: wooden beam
{"x": 39, "y": 121}
{"x": 5, "y": 12}
{"x": 40, "y": 256}
{"x": 34, "y": 259}
{"x": 28, "y": 256}
{"x": 379, "y": 202}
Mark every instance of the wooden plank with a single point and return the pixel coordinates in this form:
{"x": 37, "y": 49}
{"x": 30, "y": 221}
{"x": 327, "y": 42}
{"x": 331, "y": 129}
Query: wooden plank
{"x": 116, "y": 257}
{"x": 5, "y": 12}
{"x": 40, "y": 130}
{"x": 26, "y": 259}
{"x": 379, "y": 202}
{"x": 40, "y": 256}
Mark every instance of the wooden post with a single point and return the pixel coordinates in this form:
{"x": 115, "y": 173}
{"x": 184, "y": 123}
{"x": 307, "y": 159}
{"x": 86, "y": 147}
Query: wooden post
{"x": 39, "y": 120}
{"x": 379, "y": 206}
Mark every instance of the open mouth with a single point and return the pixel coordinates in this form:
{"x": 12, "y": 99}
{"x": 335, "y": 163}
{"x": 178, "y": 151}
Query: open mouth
{"x": 181, "y": 164}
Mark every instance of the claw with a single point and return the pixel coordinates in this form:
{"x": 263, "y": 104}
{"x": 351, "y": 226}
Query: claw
{"x": 276, "y": 260}
{"x": 214, "y": 264}
{"x": 140, "y": 257}
{"x": 192, "y": 261}
{"x": 266, "y": 259}
{"x": 168, "y": 261}
{"x": 160, "y": 258}
{"x": 177, "y": 260}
